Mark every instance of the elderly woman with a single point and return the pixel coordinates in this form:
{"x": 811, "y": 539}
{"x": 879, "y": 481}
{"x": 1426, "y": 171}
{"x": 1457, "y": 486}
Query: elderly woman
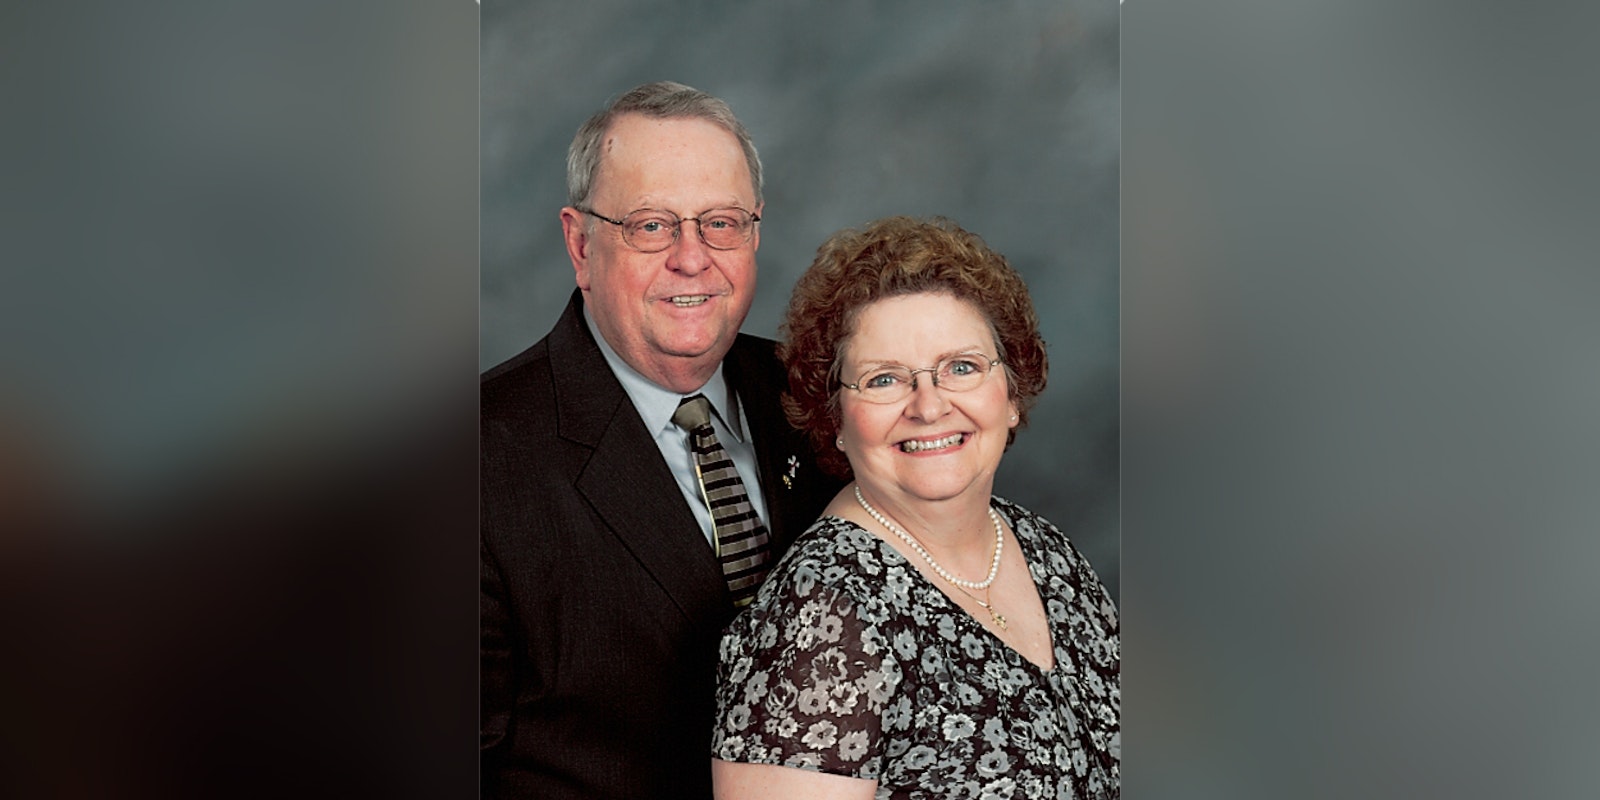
{"x": 924, "y": 638}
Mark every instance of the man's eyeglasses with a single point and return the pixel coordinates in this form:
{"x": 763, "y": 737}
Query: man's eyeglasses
{"x": 650, "y": 231}
{"x": 891, "y": 384}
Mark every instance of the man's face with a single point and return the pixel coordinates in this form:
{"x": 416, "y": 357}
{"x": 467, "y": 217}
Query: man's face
{"x": 671, "y": 315}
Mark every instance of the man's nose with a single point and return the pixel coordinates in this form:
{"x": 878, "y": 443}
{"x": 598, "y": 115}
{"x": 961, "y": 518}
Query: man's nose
{"x": 689, "y": 254}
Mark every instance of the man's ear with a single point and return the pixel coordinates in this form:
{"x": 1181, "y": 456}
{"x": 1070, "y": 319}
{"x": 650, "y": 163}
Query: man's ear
{"x": 576, "y": 233}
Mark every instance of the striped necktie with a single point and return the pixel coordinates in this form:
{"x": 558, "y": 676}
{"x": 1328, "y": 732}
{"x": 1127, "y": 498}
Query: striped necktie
{"x": 742, "y": 545}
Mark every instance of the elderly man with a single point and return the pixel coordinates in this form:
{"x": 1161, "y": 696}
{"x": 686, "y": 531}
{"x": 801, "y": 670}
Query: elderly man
{"x": 638, "y": 477}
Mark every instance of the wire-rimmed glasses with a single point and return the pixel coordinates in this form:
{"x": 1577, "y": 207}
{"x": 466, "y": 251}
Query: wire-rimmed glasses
{"x": 891, "y": 383}
{"x": 650, "y": 230}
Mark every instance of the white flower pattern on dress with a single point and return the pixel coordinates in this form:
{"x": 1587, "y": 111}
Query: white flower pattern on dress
{"x": 850, "y": 662}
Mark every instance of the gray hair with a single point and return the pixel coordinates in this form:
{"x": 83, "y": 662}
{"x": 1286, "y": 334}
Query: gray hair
{"x": 659, "y": 100}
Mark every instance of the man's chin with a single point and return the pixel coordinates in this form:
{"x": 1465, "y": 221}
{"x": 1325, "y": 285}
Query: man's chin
{"x": 682, "y": 366}
{"x": 713, "y": 350}
{"x": 703, "y": 342}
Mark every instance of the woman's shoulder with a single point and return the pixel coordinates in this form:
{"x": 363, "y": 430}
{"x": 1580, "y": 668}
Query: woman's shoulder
{"x": 1011, "y": 508}
{"x": 834, "y": 555}
{"x": 1034, "y": 529}
{"x": 833, "y": 540}
{"x": 1055, "y": 549}
{"x": 1028, "y": 525}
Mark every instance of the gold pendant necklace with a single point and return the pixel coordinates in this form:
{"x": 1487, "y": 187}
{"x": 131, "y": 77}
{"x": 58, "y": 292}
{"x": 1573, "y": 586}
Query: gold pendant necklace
{"x": 997, "y": 619}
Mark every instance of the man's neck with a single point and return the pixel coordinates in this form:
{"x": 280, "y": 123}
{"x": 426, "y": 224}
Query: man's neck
{"x": 680, "y": 375}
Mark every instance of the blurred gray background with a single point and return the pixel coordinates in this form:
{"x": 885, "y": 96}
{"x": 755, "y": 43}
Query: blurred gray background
{"x": 1359, "y": 393}
{"x": 1003, "y": 116}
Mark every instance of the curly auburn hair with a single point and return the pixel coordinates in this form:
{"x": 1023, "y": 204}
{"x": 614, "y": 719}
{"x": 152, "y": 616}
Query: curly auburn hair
{"x": 892, "y": 257}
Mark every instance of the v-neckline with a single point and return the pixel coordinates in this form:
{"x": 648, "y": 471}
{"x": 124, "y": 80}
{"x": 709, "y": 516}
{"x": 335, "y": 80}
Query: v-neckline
{"x": 1055, "y": 658}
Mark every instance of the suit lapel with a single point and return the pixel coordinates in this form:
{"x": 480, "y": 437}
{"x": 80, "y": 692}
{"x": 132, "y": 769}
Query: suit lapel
{"x": 758, "y": 394}
{"x": 625, "y": 480}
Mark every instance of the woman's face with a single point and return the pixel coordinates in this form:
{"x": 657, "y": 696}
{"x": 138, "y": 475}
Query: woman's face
{"x": 934, "y": 444}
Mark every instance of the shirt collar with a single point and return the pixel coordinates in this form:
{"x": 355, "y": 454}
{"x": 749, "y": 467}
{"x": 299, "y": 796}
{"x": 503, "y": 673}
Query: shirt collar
{"x": 657, "y": 404}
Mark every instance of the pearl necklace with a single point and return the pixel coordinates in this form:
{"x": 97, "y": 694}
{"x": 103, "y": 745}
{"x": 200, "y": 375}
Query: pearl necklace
{"x": 994, "y": 563}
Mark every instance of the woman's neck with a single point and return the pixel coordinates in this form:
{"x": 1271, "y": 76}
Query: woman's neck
{"x": 958, "y": 529}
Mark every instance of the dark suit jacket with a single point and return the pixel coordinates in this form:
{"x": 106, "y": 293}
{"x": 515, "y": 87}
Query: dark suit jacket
{"x": 602, "y": 602}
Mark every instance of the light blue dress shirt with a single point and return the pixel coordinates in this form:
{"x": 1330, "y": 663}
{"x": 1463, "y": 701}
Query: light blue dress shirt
{"x": 656, "y": 406}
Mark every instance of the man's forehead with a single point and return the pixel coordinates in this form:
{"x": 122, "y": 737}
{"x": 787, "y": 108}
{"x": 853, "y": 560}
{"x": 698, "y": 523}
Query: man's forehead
{"x": 657, "y": 159}
{"x": 637, "y": 131}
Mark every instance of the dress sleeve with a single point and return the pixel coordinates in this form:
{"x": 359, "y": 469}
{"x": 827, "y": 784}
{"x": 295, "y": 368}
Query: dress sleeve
{"x": 804, "y": 681}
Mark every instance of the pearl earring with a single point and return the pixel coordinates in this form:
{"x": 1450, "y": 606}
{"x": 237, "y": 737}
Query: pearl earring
{"x": 1013, "y": 417}
{"x": 839, "y": 441}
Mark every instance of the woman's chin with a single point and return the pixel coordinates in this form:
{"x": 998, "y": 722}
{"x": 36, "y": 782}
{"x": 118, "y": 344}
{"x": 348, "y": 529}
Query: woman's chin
{"x": 942, "y": 488}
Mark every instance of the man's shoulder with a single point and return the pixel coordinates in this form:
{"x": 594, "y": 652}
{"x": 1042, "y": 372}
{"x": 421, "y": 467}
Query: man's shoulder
{"x": 513, "y": 374}
{"x": 535, "y": 357}
{"x": 531, "y": 369}
{"x": 515, "y": 377}
{"x": 754, "y": 357}
{"x": 756, "y": 345}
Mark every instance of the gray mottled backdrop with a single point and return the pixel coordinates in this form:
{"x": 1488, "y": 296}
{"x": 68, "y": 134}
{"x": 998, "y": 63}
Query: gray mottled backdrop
{"x": 1003, "y": 116}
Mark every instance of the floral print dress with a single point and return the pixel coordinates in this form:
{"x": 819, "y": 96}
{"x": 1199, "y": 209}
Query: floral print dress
{"x": 851, "y": 662}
